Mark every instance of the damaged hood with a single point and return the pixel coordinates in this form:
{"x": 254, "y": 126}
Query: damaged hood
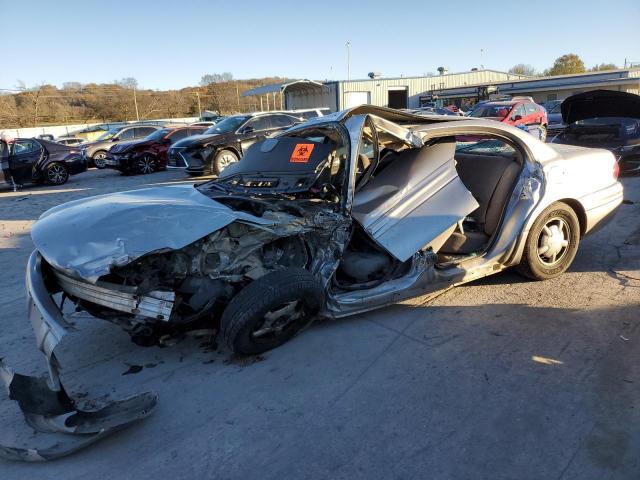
{"x": 88, "y": 237}
{"x": 600, "y": 103}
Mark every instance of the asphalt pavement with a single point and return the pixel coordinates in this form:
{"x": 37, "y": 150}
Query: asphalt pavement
{"x": 502, "y": 378}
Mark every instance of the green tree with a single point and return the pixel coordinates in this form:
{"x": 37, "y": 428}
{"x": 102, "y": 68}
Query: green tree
{"x": 604, "y": 66}
{"x": 566, "y": 64}
{"x": 523, "y": 69}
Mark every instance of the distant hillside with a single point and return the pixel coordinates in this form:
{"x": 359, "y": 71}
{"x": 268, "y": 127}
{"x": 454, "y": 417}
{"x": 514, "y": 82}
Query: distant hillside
{"x": 76, "y": 103}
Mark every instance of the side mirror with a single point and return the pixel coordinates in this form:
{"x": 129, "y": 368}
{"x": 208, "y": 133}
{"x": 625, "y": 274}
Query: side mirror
{"x": 517, "y": 117}
{"x": 248, "y": 129}
{"x": 114, "y": 139}
{"x": 166, "y": 141}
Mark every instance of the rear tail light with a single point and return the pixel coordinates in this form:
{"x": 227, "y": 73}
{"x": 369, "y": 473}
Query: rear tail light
{"x": 616, "y": 169}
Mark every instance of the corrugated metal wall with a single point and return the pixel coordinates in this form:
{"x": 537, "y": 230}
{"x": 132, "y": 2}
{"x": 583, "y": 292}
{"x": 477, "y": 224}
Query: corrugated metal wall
{"x": 417, "y": 86}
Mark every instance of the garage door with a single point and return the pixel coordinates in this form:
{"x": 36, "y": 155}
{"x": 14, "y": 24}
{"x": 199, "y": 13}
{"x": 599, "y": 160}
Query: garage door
{"x": 353, "y": 99}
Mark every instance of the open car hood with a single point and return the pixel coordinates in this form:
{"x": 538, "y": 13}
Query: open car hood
{"x": 88, "y": 237}
{"x": 600, "y": 103}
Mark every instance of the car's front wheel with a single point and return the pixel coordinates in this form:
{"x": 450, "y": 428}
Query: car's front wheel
{"x": 552, "y": 243}
{"x": 99, "y": 158}
{"x": 57, "y": 174}
{"x": 223, "y": 159}
{"x": 271, "y": 310}
{"x": 146, "y": 164}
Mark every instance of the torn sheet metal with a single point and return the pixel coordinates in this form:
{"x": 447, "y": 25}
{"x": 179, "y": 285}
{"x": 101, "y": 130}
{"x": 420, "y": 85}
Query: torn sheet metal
{"x": 416, "y": 203}
{"x": 60, "y": 427}
{"x": 87, "y": 237}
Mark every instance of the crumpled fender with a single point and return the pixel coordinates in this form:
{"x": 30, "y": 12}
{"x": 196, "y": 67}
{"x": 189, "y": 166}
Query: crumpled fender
{"x": 87, "y": 237}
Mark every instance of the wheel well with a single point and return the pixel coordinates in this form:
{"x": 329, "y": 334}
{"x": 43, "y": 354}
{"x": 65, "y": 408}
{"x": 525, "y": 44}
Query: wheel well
{"x": 97, "y": 152}
{"x": 577, "y": 207}
{"x": 230, "y": 148}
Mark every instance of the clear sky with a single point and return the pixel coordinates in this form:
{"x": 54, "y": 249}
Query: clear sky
{"x": 171, "y": 44}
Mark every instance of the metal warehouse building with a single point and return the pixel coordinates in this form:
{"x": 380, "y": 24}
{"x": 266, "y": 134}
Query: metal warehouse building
{"x": 551, "y": 88}
{"x": 403, "y": 92}
{"x": 456, "y": 88}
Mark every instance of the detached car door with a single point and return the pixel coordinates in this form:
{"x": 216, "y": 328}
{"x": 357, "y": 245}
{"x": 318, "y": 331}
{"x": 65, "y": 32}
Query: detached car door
{"x": 26, "y": 153}
{"x": 415, "y": 202}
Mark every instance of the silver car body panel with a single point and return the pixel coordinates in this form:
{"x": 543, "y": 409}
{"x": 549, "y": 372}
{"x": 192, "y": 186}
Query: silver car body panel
{"x": 415, "y": 203}
{"x": 113, "y": 230}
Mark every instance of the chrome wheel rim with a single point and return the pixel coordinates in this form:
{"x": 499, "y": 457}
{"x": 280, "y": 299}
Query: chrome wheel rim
{"x": 279, "y": 319}
{"x": 57, "y": 174}
{"x": 553, "y": 242}
{"x": 145, "y": 165}
{"x": 226, "y": 159}
{"x": 98, "y": 159}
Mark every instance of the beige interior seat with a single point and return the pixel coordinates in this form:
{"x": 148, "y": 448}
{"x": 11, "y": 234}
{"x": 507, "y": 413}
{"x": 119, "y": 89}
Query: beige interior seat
{"x": 490, "y": 179}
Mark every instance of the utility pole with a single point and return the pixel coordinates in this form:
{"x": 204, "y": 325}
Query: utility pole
{"x": 238, "y": 96}
{"x": 348, "y": 45}
{"x": 135, "y": 102}
{"x": 199, "y": 106}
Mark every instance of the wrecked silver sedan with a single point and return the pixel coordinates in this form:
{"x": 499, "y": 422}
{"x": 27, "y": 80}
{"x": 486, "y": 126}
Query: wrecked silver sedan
{"x": 343, "y": 214}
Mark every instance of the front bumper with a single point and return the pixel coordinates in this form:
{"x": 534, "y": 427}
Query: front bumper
{"x": 60, "y": 427}
{"x": 176, "y": 159}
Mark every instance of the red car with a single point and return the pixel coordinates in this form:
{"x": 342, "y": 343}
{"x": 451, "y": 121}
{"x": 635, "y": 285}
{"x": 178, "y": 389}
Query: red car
{"x": 521, "y": 112}
{"x": 148, "y": 154}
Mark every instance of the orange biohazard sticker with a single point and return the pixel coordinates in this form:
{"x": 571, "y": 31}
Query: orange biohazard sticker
{"x": 301, "y": 153}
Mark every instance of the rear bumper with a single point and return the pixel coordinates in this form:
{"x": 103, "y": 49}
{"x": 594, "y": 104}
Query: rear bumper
{"x": 77, "y": 165}
{"x": 601, "y": 205}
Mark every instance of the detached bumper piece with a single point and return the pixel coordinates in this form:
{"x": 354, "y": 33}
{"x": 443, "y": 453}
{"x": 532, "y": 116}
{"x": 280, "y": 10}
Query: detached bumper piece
{"x": 61, "y": 427}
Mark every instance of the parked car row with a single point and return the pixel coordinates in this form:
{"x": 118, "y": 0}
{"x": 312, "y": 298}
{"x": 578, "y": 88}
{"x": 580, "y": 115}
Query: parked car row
{"x": 148, "y": 154}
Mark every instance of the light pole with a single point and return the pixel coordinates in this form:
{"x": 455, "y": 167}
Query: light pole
{"x": 348, "y": 45}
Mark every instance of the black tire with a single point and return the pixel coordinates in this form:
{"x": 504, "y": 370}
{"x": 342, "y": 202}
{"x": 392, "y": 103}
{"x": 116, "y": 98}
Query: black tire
{"x": 56, "y": 173}
{"x": 243, "y": 321}
{"x": 98, "y": 159}
{"x": 145, "y": 164}
{"x": 540, "y": 263}
{"x": 223, "y": 159}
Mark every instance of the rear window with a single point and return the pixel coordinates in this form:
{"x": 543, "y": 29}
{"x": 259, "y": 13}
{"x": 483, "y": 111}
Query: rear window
{"x": 491, "y": 110}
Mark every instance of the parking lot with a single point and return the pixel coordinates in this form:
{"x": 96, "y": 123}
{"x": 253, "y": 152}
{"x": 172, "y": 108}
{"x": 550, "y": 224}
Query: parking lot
{"x": 502, "y": 378}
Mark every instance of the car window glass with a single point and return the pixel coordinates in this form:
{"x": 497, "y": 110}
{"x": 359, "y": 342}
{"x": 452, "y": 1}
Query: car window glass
{"x": 144, "y": 131}
{"x": 260, "y": 123}
{"x": 530, "y": 108}
{"x": 484, "y": 146}
{"x": 518, "y": 111}
{"x": 311, "y": 114}
{"x": 196, "y": 131}
{"x": 127, "y": 134}
{"x": 281, "y": 121}
{"x": 25, "y": 146}
{"x": 178, "y": 135}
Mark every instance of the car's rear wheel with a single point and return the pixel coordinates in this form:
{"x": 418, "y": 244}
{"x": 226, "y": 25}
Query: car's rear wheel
{"x": 57, "y": 174}
{"x": 223, "y": 159}
{"x": 146, "y": 164}
{"x": 271, "y": 310}
{"x": 99, "y": 158}
{"x": 552, "y": 243}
